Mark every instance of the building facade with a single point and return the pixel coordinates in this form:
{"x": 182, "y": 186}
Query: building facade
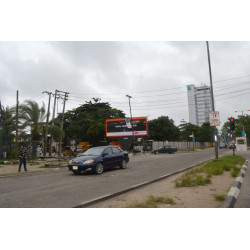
{"x": 199, "y": 104}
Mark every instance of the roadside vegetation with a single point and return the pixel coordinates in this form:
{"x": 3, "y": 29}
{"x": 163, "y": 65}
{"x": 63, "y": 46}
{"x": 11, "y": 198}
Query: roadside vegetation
{"x": 152, "y": 202}
{"x": 201, "y": 176}
{"x": 220, "y": 197}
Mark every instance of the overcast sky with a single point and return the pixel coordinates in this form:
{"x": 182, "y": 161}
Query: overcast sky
{"x": 155, "y": 74}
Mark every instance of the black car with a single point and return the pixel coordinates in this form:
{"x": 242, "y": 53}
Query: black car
{"x": 164, "y": 149}
{"x": 222, "y": 145}
{"x": 174, "y": 148}
{"x": 99, "y": 158}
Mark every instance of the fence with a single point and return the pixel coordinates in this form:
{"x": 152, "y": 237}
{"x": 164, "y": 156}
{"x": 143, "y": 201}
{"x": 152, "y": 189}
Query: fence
{"x": 182, "y": 145}
{"x": 8, "y": 151}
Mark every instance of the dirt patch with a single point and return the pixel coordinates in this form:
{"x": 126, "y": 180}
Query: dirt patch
{"x": 33, "y": 166}
{"x": 184, "y": 197}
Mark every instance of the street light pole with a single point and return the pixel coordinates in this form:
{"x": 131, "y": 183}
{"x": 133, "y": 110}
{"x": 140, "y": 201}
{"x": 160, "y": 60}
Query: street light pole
{"x": 131, "y": 119}
{"x": 212, "y": 97}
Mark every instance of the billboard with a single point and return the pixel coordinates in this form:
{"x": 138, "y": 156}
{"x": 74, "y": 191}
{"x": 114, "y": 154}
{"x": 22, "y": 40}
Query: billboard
{"x": 119, "y": 128}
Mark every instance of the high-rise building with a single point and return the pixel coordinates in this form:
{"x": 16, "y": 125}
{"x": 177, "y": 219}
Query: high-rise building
{"x": 199, "y": 104}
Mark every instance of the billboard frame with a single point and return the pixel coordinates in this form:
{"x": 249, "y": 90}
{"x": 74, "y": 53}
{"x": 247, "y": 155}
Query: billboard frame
{"x": 123, "y": 119}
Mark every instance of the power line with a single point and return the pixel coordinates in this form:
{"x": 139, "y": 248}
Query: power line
{"x": 145, "y": 91}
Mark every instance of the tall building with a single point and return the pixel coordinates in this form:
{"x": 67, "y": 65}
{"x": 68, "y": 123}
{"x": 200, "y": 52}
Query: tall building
{"x": 199, "y": 104}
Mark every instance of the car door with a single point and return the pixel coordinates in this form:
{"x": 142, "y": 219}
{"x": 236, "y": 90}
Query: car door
{"x": 118, "y": 156}
{"x": 167, "y": 149}
{"x": 108, "y": 158}
{"x": 161, "y": 150}
{"x": 164, "y": 149}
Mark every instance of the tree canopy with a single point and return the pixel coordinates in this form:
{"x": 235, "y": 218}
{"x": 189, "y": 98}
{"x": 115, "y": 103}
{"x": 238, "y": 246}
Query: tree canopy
{"x": 88, "y": 122}
{"x": 163, "y": 128}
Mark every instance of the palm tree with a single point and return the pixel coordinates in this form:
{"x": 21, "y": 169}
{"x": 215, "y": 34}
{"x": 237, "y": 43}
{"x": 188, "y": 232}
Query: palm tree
{"x": 33, "y": 116}
{"x": 7, "y": 123}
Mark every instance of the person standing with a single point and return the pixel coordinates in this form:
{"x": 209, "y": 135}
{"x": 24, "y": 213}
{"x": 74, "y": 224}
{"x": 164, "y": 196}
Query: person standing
{"x": 22, "y": 157}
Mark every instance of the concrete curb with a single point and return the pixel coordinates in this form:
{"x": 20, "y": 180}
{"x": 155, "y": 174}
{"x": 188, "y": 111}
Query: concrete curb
{"x": 235, "y": 188}
{"x": 109, "y": 196}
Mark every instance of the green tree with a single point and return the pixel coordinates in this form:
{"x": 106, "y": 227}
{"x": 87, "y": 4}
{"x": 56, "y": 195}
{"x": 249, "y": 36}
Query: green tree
{"x": 162, "y": 129}
{"x": 7, "y": 123}
{"x": 243, "y": 121}
{"x": 32, "y": 117}
{"x": 205, "y": 133}
{"x": 88, "y": 122}
{"x": 187, "y": 129}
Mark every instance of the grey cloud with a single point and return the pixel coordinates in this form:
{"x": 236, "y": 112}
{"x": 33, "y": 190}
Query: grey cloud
{"x": 98, "y": 68}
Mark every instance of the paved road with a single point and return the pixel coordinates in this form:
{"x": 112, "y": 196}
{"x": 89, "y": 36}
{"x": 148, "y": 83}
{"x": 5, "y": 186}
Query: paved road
{"x": 64, "y": 189}
{"x": 244, "y": 196}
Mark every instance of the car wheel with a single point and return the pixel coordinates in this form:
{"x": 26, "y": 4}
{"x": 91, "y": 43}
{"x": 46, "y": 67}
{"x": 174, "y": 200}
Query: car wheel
{"x": 99, "y": 168}
{"x": 123, "y": 164}
{"x": 156, "y": 152}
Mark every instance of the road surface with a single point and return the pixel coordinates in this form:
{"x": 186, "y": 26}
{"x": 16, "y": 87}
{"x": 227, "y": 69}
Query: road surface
{"x": 62, "y": 189}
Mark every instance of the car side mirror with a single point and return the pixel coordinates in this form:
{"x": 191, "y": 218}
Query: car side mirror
{"x": 104, "y": 154}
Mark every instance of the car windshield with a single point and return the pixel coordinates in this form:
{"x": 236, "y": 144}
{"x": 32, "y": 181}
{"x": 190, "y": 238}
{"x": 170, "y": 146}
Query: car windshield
{"x": 93, "y": 151}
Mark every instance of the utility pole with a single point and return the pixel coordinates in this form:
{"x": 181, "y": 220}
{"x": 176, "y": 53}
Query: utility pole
{"x": 16, "y": 148}
{"x": 61, "y": 136}
{"x": 131, "y": 120}
{"x": 47, "y": 122}
{"x": 212, "y": 97}
{"x": 51, "y": 137}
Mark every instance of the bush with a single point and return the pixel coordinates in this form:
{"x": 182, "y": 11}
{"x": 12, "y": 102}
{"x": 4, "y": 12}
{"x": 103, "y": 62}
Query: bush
{"x": 214, "y": 167}
{"x": 152, "y": 202}
{"x": 193, "y": 180}
{"x": 220, "y": 197}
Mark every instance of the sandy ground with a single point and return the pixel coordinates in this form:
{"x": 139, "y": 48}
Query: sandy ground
{"x": 31, "y": 167}
{"x": 184, "y": 197}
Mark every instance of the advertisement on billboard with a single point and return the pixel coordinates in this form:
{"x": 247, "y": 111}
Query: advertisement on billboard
{"x": 122, "y": 127}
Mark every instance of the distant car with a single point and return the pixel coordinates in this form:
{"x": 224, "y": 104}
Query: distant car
{"x": 231, "y": 146}
{"x": 174, "y": 148}
{"x": 222, "y": 145}
{"x": 164, "y": 149}
{"x": 99, "y": 158}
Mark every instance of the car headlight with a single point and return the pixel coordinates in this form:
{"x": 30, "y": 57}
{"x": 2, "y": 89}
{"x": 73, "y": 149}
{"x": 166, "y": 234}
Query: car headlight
{"x": 88, "y": 161}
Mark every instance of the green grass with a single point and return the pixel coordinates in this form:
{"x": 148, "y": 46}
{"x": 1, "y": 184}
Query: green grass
{"x": 202, "y": 175}
{"x": 235, "y": 171}
{"x": 193, "y": 180}
{"x": 151, "y": 202}
{"x": 220, "y": 197}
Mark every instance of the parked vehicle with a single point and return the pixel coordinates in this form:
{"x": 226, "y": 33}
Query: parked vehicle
{"x": 98, "y": 159}
{"x": 241, "y": 144}
{"x": 164, "y": 149}
{"x": 222, "y": 145}
{"x": 82, "y": 147}
{"x": 174, "y": 148}
{"x": 231, "y": 145}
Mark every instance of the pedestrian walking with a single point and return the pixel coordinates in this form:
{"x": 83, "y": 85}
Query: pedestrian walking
{"x": 22, "y": 157}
